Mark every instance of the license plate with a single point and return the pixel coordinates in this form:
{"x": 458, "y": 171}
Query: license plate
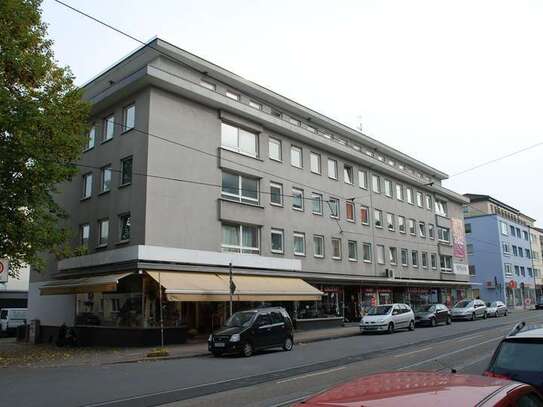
{"x": 219, "y": 344}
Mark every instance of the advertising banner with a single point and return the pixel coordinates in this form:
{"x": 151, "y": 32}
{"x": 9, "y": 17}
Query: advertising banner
{"x": 459, "y": 238}
{"x": 4, "y": 264}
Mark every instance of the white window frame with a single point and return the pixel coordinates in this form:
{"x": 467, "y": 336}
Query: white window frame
{"x": 237, "y": 148}
{"x": 349, "y": 245}
{"x": 378, "y": 217}
{"x": 298, "y": 191}
{"x": 406, "y": 257}
{"x": 126, "y": 115}
{"x": 348, "y": 174}
{"x": 255, "y": 105}
{"x": 122, "y": 173}
{"x": 301, "y": 151}
{"x": 232, "y": 95}
{"x": 503, "y": 228}
{"x": 336, "y": 201}
{"x": 277, "y": 142}
{"x": 101, "y": 223}
{"x": 393, "y": 256}
{"x": 422, "y": 229}
{"x": 376, "y": 183}
{"x": 280, "y": 232}
{"x": 367, "y": 209}
{"x": 380, "y": 254}
{"x": 363, "y": 179}
{"x": 367, "y": 252}
{"x": 240, "y": 247}
{"x": 120, "y": 217}
{"x": 105, "y": 169}
{"x": 239, "y": 197}
{"x": 433, "y": 261}
{"x": 313, "y": 155}
{"x": 415, "y": 256}
{"x": 84, "y": 242}
{"x": 280, "y": 187}
{"x": 400, "y": 192}
{"x": 321, "y": 238}
{"x": 351, "y": 204}
{"x": 338, "y": 241}
{"x": 295, "y": 237}
{"x": 106, "y": 136}
{"x": 506, "y": 249}
{"x": 446, "y": 268}
{"x": 208, "y": 85}
{"x": 431, "y": 231}
{"x": 419, "y": 198}
{"x": 424, "y": 260}
{"x": 391, "y": 222}
{"x": 409, "y": 195}
{"x": 441, "y": 231}
{"x": 332, "y": 174}
{"x": 429, "y": 202}
{"x": 91, "y": 138}
{"x": 388, "y": 188}
{"x": 319, "y": 197}
{"x": 404, "y": 231}
{"x": 440, "y": 207}
{"x": 86, "y": 182}
{"x": 412, "y": 230}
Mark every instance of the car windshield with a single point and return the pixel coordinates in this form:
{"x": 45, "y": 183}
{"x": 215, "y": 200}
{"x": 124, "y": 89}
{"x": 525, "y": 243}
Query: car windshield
{"x": 380, "y": 310}
{"x": 520, "y": 356}
{"x": 240, "y": 319}
{"x": 426, "y": 308}
{"x": 462, "y": 304}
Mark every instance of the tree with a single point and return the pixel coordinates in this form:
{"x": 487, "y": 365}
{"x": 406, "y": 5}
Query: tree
{"x": 43, "y": 119}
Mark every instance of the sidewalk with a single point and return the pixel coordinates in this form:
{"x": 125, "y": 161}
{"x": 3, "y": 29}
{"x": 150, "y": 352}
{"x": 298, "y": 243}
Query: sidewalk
{"x": 16, "y": 354}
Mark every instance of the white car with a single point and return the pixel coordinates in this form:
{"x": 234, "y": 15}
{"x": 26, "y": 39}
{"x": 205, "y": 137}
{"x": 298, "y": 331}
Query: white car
{"x": 388, "y": 318}
{"x": 496, "y": 309}
{"x": 469, "y": 309}
{"x": 11, "y": 318}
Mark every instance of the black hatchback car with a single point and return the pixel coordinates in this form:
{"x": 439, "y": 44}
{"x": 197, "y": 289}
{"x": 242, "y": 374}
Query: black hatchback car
{"x": 245, "y": 332}
{"x": 432, "y": 314}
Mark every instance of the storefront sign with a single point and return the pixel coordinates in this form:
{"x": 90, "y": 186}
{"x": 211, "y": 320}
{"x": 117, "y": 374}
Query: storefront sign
{"x": 4, "y": 266}
{"x": 459, "y": 238}
{"x": 459, "y": 268}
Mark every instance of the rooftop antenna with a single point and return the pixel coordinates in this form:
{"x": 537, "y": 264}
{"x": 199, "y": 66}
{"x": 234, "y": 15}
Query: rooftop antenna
{"x": 359, "y": 125}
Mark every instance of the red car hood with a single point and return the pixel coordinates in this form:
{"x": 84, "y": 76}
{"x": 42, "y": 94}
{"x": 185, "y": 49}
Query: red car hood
{"x": 408, "y": 389}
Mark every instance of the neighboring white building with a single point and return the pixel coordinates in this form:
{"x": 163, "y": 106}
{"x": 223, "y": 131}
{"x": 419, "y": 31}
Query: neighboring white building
{"x": 14, "y": 292}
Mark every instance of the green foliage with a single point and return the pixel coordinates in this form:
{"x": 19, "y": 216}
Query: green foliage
{"x": 42, "y": 122}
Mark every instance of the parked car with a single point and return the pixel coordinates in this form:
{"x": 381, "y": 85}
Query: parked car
{"x": 519, "y": 356}
{"x": 388, "y": 318}
{"x": 10, "y": 319}
{"x": 496, "y": 309}
{"x": 432, "y": 315}
{"x": 469, "y": 309}
{"x": 427, "y": 389}
{"x": 539, "y": 303}
{"x": 246, "y": 332}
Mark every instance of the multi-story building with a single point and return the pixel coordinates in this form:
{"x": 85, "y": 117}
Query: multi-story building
{"x": 501, "y": 256}
{"x": 190, "y": 168}
{"x": 536, "y": 238}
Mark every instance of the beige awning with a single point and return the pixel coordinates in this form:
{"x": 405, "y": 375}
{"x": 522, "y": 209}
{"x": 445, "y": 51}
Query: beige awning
{"x": 185, "y": 286}
{"x": 94, "y": 284}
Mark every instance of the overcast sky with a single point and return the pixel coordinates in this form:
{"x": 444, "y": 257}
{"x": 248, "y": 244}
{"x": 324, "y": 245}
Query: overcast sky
{"x": 451, "y": 83}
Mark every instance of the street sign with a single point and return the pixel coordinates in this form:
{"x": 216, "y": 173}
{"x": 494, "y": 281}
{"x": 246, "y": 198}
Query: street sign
{"x": 4, "y": 266}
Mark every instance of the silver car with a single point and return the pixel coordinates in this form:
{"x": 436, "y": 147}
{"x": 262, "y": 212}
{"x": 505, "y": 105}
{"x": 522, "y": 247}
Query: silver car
{"x": 469, "y": 309}
{"x": 388, "y": 318}
{"x": 496, "y": 309}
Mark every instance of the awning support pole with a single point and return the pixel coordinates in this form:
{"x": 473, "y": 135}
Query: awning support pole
{"x": 161, "y": 318}
{"x": 230, "y": 285}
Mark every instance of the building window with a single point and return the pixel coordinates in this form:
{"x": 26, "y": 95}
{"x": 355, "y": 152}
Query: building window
{"x": 445, "y": 263}
{"x": 240, "y": 239}
{"x": 419, "y": 199}
{"x": 393, "y": 255}
{"x": 274, "y": 147}
{"x": 530, "y": 272}
{"x": 376, "y": 184}
{"x": 207, "y": 85}
{"x": 409, "y": 193}
{"x": 255, "y": 105}
{"x": 348, "y": 174}
{"x": 405, "y": 254}
{"x": 528, "y": 254}
{"x": 526, "y": 237}
{"x": 506, "y": 250}
{"x": 433, "y": 260}
{"x": 298, "y": 199}
{"x": 378, "y": 218}
{"x": 401, "y": 224}
{"x": 315, "y": 161}
{"x": 469, "y": 248}
{"x": 318, "y": 246}
{"x": 277, "y": 241}
{"x": 362, "y": 179}
{"x": 515, "y": 252}
{"x": 336, "y": 248}
{"x": 380, "y": 254}
{"x": 518, "y": 233}
{"x": 353, "y": 250}
{"x": 124, "y": 227}
{"x": 517, "y": 270}
{"x": 232, "y": 95}
{"x": 316, "y": 207}
{"x": 109, "y": 128}
{"x": 103, "y": 235}
{"x": 508, "y": 270}
{"x": 129, "y": 117}
{"x": 522, "y": 271}
{"x": 349, "y": 211}
{"x": 364, "y": 215}
{"x": 429, "y": 202}
{"x": 126, "y": 171}
{"x": 424, "y": 259}
{"x": 86, "y": 191}
{"x": 299, "y": 244}
{"x": 512, "y": 230}
{"x": 276, "y": 194}
{"x": 390, "y": 222}
{"x": 84, "y": 234}
{"x": 293, "y": 121}
{"x": 239, "y": 188}
{"x": 239, "y": 140}
{"x": 431, "y": 232}
{"x": 105, "y": 178}
{"x": 441, "y": 207}
{"x": 399, "y": 192}
{"x": 91, "y": 139}
{"x": 414, "y": 258}
{"x": 296, "y": 157}
{"x": 412, "y": 227}
{"x": 422, "y": 229}
{"x": 388, "y": 188}
{"x": 332, "y": 168}
{"x": 366, "y": 252}
{"x": 471, "y": 269}
{"x": 467, "y": 228}
{"x": 333, "y": 204}
{"x": 443, "y": 234}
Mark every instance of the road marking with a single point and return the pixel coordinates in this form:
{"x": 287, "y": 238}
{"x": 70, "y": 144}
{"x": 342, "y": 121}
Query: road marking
{"x": 413, "y": 352}
{"x": 467, "y": 338}
{"x": 474, "y": 362}
{"x": 450, "y": 353}
{"x": 311, "y": 374}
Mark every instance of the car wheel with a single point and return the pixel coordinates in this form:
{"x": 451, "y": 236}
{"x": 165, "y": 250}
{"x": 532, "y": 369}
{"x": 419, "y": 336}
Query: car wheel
{"x": 412, "y": 325}
{"x": 288, "y": 344}
{"x": 247, "y": 350}
{"x": 449, "y": 320}
{"x": 433, "y": 322}
{"x": 390, "y": 328}
{"x": 484, "y": 315}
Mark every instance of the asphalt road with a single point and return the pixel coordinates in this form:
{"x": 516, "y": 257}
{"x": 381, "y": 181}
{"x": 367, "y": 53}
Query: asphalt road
{"x": 270, "y": 378}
